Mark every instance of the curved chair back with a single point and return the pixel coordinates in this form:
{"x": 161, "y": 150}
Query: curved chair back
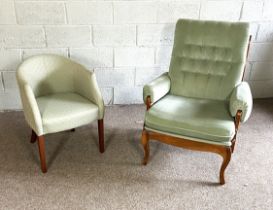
{"x": 208, "y": 58}
{"x": 47, "y": 74}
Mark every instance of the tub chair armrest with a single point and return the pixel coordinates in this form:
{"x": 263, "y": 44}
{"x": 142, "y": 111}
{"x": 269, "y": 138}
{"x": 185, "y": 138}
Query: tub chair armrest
{"x": 31, "y": 109}
{"x": 86, "y": 85}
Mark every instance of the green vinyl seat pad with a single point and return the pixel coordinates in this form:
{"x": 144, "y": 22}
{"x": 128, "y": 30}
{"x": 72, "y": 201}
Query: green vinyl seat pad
{"x": 192, "y": 117}
{"x": 63, "y": 111}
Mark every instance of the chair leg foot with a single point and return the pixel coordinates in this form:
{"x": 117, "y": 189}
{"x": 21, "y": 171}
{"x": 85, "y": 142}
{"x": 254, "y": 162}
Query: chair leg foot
{"x": 41, "y": 146}
{"x": 101, "y": 135}
{"x": 226, "y": 158}
{"x": 145, "y": 143}
{"x": 33, "y": 137}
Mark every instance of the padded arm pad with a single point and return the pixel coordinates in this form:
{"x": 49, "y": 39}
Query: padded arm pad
{"x": 241, "y": 99}
{"x": 86, "y": 85}
{"x": 157, "y": 88}
{"x": 30, "y": 106}
{"x": 31, "y": 110}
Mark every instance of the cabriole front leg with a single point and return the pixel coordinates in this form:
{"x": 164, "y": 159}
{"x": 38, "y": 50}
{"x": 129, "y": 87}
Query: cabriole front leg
{"x": 226, "y": 154}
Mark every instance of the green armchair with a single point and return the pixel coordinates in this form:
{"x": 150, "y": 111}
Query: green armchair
{"x": 201, "y": 101}
{"x": 58, "y": 94}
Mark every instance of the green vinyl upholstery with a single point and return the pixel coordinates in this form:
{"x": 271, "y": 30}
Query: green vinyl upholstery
{"x": 241, "y": 99}
{"x": 157, "y": 88}
{"x": 58, "y": 94}
{"x": 202, "y": 91}
{"x": 193, "y": 117}
{"x": 208, "y": 58}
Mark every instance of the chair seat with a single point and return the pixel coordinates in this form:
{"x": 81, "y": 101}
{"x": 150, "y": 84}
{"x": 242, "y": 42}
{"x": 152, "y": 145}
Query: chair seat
{"x": 203, "y": 119}
{"x": 65, "y": 111}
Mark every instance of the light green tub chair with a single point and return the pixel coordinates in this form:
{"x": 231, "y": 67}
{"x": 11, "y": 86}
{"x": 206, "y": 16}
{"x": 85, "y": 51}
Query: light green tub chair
{"x": 200, "y": 102}
{"x": 58, "y": 94}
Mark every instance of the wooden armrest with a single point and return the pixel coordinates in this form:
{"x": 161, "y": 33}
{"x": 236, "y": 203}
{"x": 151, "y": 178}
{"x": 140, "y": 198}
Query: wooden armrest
{"x": 148, "y": 102}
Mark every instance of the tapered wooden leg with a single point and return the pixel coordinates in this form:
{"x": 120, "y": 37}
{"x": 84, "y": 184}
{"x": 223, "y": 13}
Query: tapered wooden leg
{"x": 101, "y": 135}
{"x": 33, "y": 137}
{"x": 145, "y": 143}
{"x": 41, "y": 146}
{"x": 226, "y": 158}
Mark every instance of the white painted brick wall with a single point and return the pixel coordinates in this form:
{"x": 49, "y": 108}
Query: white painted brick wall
{"x": 221, "y": 10}
{"x": 32, "y": 52}
{"x": 93, "y": 57}
{"x": 266, "y": 32}
{"x": 114, "y": 35}
{"x": 1, "y": 84}
{"x": 116, "y": 78}
{"x": 155, "y": 34}
{"x": 83, "y": 12}
{"x": 9, "y": 59}
{"x": 267, "y": 10}
{"x": 134, "y": 12}
{"x": 108, "y": 95}
{"x": 134, "y": 57}
{"x": 261, "y": 88}
{"x": 127, "y": 43}
{"x": 170, "y": 11}
{"x": 262, "y": 71}
{"x": 36, "y": 13}
{"x": 15, "y": 36}
{"x": 10, "y": 100}
{"x": 68, "y": 36}
{"x": 10, "y": 83}
{"x": 163, "y": 55}
{"x": 7, "y": 12}
{"x": 128, "y": 95}
{"x": 252, "y": 11}
{"x": 261, "y": 52}
{"x": 145, "y": 75}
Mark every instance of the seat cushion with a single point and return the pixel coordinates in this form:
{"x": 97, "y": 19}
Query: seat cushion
{"x": 64, "y": 111}
{"x": 203, "y": 119}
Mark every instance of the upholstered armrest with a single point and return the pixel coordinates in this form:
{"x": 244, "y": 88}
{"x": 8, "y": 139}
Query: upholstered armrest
{"x": 241, "y": 99}
{"x": 157, "y": 88}
{"x": 86, "y": 85}
{"x": 31, "y": 110}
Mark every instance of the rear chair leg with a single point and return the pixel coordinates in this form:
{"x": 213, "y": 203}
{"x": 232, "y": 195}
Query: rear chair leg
{"x": 101, "y": 135}
{"x": 33, "y": 137}
{"x": 145, "y": 143}
{"x": 41, "y": 146}
{"x": 233, "y": 145}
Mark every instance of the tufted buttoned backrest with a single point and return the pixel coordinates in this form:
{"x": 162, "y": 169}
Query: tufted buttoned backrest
{"x": 47, "y": 74}
{"x": 208, "y": 58}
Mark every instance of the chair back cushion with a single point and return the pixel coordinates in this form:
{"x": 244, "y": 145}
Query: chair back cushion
{"x": 208, "y": 58}
{"x": 48, "y": 74}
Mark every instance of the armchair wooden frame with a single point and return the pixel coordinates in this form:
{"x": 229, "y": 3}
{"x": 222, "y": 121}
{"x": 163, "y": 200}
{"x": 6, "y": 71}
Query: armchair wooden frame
{"x": 41, "y": 143}
{"x": 224, "y": 151}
